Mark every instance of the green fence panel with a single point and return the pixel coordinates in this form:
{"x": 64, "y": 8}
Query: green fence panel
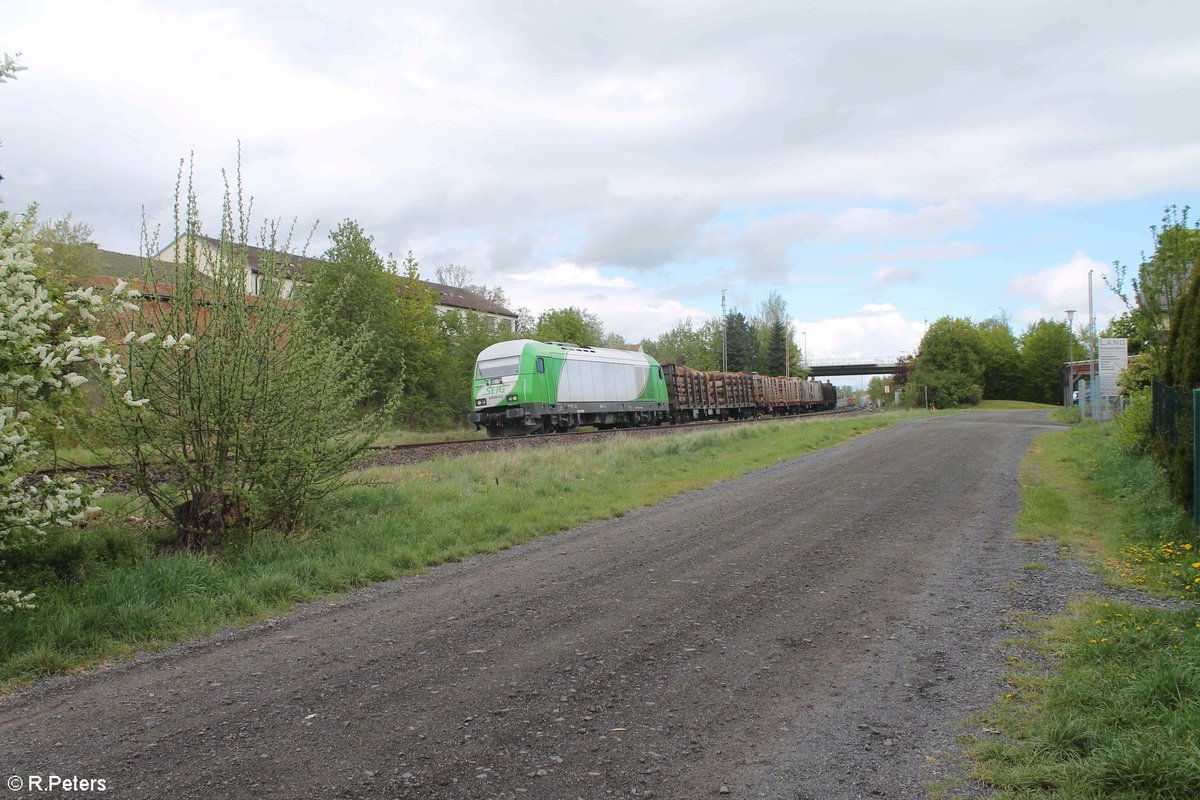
{"x": 1164, "y": 415}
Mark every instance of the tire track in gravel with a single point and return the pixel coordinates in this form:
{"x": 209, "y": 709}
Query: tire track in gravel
{"x": 816, "y": 629}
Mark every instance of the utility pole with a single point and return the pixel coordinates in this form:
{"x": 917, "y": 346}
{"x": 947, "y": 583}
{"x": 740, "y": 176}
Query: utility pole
{"x": 724, "y": 335}
{"x": 787, "y": 353}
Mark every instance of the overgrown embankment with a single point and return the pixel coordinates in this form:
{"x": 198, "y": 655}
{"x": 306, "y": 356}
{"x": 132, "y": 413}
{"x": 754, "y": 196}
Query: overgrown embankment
{"x": 106, "y": 591}
{"x": 1118, "y": 712}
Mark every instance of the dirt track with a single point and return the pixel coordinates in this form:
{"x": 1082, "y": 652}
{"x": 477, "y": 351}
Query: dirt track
{"x": 816, "y": 630}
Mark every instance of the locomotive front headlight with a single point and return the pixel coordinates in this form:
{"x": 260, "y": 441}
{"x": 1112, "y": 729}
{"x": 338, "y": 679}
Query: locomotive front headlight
{"x": 512, "y": 398}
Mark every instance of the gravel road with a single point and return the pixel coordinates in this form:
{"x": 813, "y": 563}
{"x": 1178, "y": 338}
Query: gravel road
{"x": 819, "y": 629}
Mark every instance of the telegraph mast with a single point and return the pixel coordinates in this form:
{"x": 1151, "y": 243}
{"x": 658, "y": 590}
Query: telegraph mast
{"x": 724, "y": 335}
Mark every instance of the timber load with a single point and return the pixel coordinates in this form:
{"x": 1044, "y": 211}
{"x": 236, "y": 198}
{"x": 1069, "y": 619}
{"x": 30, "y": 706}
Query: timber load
{"x": 710, "y": 395}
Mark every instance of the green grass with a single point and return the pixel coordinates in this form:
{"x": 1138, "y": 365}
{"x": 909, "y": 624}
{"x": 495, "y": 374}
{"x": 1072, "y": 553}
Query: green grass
{"x": 105, "y": 591}
{"x": 1066, "y": 416}
{"x": 1111, "y": 508}
{"x": 1117, "y": 714}
{"x": 1014, "y": 405}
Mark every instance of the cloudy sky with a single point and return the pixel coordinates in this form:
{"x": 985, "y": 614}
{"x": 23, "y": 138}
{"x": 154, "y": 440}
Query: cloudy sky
{"x": 880, "y": 164}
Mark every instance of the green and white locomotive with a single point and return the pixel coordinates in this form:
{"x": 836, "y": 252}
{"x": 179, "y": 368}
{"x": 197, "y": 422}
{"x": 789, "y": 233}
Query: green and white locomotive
{"x": 525, "y": 387}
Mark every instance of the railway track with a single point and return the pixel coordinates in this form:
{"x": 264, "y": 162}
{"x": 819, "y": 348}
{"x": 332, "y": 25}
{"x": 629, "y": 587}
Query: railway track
{"x": 398, "y": 455}
{"x": 115, "y": 477}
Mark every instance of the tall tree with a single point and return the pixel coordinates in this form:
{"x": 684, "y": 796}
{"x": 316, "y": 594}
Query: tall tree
{"x": 777, "y": 348}
{"x": 570, "y": 325}
{"x": 1045, "y": 345}
{"x": 457, "y": 275}
{"x": 683, "y": 343}
{"x": 1125, "y": 327}
{"x": 467, "y": 334}
{"x": 772, "y": 326}
{"x": 461, "y": 276}
{"x": 353, "y": 291}
{"x": 949, "y": 364}
{"x": 1162, "y": 279}
{"x": 741, "y": 344}
{"x": 1182, "y": 358}
{"x": 65, "y": 253}
{"x": 708, "y": 350}
{"x": 421, "y": 341}
{"x": 877, "y": 390}
{"x": 1002, "y": 371}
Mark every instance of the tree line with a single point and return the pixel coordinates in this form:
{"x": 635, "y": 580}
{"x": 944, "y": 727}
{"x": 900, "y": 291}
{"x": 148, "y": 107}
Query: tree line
{"x": 1162, "y": 321}
{"x": 961, "y": 362}
{"x": 762, "y": 342}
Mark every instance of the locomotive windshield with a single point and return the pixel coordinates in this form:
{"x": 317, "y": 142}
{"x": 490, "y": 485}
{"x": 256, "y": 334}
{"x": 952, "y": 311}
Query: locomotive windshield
{"x": 498, "y": 367}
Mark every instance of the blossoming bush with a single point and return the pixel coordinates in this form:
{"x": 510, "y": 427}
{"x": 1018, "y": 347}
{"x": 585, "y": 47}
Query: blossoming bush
{"x": 238, "y": 415}
{"x": 44, "y": 347}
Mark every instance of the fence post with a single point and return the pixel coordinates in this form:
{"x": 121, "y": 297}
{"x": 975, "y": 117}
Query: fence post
{"x": 1196, "y": 456}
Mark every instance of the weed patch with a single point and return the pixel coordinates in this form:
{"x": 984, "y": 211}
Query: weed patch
{"x": 1118, "y": 716}
{"x": 1111, "y": 708}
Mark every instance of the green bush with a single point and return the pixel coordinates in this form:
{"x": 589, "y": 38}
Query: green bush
{"x": 1133, "y": 425}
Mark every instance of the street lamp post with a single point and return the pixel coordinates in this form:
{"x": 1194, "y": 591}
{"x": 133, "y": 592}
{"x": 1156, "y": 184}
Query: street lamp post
{"x": 1071, "y": 357}
{"x": 805, "y": 335}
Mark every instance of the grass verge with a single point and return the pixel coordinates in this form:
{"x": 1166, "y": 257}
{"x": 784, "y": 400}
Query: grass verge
{"x": 1117, "y": 714}
{"x": 105, "y": 592}
{"x": 1014, "y": 405}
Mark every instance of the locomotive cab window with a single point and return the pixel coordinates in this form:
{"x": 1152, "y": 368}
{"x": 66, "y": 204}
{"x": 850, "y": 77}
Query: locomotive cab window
{"x": 660, "y": 377}
{"x": 541, "y": 365}
{"x": 498, "y": 367}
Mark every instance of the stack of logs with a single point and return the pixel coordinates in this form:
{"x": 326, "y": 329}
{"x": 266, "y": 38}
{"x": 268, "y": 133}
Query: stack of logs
{"x": 780, "y": 391}
{"x": 689, "y": 388}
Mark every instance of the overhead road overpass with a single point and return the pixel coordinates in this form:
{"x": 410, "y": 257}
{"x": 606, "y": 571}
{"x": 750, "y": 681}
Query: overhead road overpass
{"x": 859, "y": 365}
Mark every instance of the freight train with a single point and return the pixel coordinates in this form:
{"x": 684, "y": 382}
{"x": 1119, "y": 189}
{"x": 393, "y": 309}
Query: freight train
{"x": 523, "y": 387}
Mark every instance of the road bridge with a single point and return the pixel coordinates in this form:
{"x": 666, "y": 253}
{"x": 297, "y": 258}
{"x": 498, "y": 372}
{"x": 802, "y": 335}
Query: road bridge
{"x": 854, "y": 365}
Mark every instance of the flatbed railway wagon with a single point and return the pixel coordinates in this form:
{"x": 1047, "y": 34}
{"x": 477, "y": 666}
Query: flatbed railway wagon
{"x": 524, "y": 387}
{"x": 776, "y": 395}
{"x": 694, "y": 395}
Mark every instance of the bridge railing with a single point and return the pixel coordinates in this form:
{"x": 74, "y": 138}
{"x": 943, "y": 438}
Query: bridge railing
{"x": 876, "y": 361}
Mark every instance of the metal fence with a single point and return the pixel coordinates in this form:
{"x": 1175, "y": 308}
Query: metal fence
{"x": 1168, "y": 407}
{"x": 1167, "y": 404}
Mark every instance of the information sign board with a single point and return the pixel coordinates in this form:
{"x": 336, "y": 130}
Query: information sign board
{"x": 1114, "y": 356}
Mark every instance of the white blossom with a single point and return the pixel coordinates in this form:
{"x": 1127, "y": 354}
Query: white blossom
{"x": 34, "y": 361}
{"x": 129, "y": 401}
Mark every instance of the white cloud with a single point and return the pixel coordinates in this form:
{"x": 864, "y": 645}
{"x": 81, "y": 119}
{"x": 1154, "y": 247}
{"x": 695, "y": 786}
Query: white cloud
{"x": 890, "y": 276}
{"x": 875, "y": 331}
{"x": 1051, "y": 291}
{"x": 952, "y": 250}
{"x": 565, "y": 274}
{"x": 635, "y": 312}
{"x": 685, "y": 144}
{"x": 883, "y": 224}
